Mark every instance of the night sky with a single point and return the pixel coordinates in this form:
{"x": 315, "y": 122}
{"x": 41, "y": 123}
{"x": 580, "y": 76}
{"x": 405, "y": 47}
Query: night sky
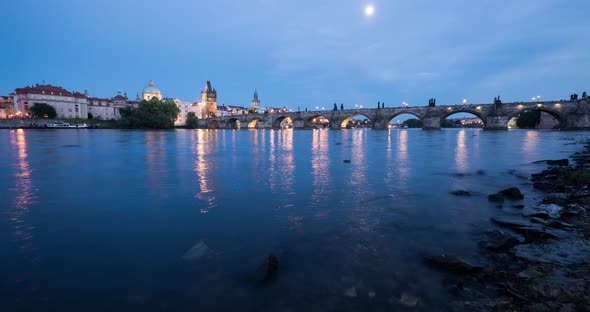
{"x": 301, "y": 53}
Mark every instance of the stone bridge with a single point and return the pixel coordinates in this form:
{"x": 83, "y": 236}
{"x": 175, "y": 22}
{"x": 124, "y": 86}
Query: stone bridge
{"x": 570, "y": 115}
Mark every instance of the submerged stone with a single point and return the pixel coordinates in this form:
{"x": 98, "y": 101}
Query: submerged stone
{"x": 196, "y": 252}
{"x": 496, "y": 198}
{"x": 512, "y": 193}
{"x": 497, "y": 240}
{"x": 408, "y": 300}
{"x": 452, "y": 264}
{"x": 460, "y": 193}
{"x": 269, "y": 269}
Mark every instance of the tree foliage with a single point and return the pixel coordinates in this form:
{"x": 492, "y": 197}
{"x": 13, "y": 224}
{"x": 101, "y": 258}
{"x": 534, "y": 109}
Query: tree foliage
{"x": 152, "y": 114}
{"x": 413, "y": 123}
{"x": 42, "y": 110}
{"x": 191, "y": 120}
{"x": 528, "y": 119}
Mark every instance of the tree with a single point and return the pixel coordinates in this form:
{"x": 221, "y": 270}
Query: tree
{"x": 42, "y": 110}
{"x": 413, "y": 123}
{"x": 191, "y": 120}
{"x": 528, "y": 119}
{"x": 152, "y": 114}
{"x": 447, "y": 124}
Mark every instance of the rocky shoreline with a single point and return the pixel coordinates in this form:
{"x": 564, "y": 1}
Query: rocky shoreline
{"x": 538, "y": 261}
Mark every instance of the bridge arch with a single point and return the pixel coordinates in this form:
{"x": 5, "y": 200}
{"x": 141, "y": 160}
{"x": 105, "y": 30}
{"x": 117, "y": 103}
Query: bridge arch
{"x": 346, "y": 120}
{"x": 391, "y": 120}
{"x": 553, "y": 113}
{"x": 283, "y": 122}
{"x": 254, "y": 123}
{"x": 453, "y": 111}
{"x": 234, "y": 123}
{"x": 317, "y": 121}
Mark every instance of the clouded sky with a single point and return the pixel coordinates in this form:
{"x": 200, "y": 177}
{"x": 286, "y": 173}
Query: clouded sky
{"x": 301, "y": 53}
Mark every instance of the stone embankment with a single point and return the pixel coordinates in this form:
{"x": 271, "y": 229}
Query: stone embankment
{"x": 537, "y": 261}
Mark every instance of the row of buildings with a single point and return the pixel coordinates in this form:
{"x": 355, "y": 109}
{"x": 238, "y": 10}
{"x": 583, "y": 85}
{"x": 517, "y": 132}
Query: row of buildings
{"x": 81, "y": 105}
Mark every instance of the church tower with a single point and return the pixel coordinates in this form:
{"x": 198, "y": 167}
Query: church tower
{"x": 209, "y": 101}
{"x": 255, "y": 104}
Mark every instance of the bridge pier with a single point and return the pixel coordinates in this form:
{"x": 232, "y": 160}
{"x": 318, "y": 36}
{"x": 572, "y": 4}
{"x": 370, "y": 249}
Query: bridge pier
{"x": 497, "y": 123}
{"x": 431, "y": 123}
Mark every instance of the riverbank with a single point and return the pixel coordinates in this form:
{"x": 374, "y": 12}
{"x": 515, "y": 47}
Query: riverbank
{"x": 537, "y": 259}
{"x": 35, "y": 123}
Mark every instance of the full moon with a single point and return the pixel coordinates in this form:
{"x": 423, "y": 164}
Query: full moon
{"x": 369, "y": 10}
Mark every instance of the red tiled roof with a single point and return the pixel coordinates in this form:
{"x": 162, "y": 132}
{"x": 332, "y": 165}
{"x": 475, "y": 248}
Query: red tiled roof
{"x": 43, "y": 89}
{"x": 79, "y": 95}
{"x": 120, "y": 98}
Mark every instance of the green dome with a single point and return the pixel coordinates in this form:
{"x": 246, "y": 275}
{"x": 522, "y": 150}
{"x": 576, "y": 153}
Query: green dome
{"x": 151, "y": 89}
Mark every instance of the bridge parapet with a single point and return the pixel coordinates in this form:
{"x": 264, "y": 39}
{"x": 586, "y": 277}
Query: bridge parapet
{"x": 571, "y": 114}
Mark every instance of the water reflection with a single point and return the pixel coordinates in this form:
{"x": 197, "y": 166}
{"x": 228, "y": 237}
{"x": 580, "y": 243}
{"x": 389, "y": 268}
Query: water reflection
{"x": 319, "y": 165}
{"x": 402, "y": 165}
{"x": 25, "y": 192}
{"x": 204, "y": 142}
{"x": 529, "y": 146}
{"x": 287, "y": 162}
{"x": 461, "y": 163}
{"x": 155, "y": 159}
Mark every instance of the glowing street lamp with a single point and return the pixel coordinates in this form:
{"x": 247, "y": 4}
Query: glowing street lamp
{"x": 536, "y": 98}
{"x": 464, "y": 101}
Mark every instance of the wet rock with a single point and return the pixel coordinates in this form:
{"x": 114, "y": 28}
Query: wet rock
{"x": 535, "y": 213}
{"x": 350, "y": 292}
{"x": 480, "y": 172}
{"x": 543, "y": 211}
{"x": 518, "y": 206}
{"x": 512, "y": 193}
{"x": 496, "y": 198}
{"x": 535, "y": 272}
{"x": 532, "y": 232}
{"x": 460, "y": 193}
{"x": 574, "y": 209}
{"x": 554, "y": 211}
{"x": 497, "y": 240}
{"x": 452, "y": 264}
{"x": 268, "y": 270}
{"x": 563, "y": 252}
{"x": 408, "y": 301}
{"x": 545, "y": 186}
{"x": 196, "y": 252}
{"x": 347, "y": 161}
{"x": 560, "y": 162}
{"x": 550, "y": 291}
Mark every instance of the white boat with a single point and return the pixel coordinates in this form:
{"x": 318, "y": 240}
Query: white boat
{"x": 64, "y": 125}
{"x": 58, "y": 125}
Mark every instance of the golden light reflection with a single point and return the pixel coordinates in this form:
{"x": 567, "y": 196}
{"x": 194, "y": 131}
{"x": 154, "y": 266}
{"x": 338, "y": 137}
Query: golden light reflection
{"x": 320, "y": 162}
{"x": 403, "y": 168}
{"x": 25, "y": 193}
{"x": 205, "y": 144}
{"x": 529, "y": 145}
{"x": 461, "y": 163}
{"x": 287, "y": 164}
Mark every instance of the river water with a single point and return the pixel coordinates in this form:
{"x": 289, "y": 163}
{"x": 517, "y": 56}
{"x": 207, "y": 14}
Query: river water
{"x": 99, "y": 220}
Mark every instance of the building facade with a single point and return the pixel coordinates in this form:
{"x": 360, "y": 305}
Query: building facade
{"x": 66, "y": 103}
{"x": 185, "y": 108}
{"x": 150, "y": 92}
{"x": 6, "y": 106}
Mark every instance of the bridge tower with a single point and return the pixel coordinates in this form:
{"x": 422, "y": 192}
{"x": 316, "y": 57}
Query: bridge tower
{"x": 255, "y": 104}
{"x": 209, "y": 101}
